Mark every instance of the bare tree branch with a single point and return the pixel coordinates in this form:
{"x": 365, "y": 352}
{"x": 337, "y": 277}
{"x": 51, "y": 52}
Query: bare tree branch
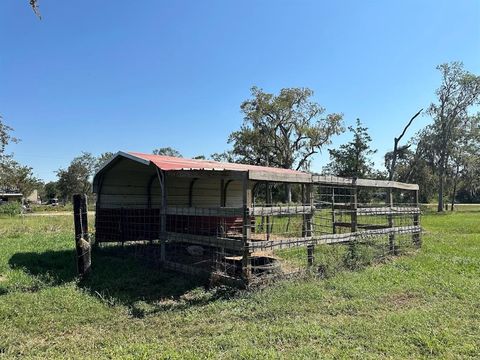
{"x": 396, "y": 140}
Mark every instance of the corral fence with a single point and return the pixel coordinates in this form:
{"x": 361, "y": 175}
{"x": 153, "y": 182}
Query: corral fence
{"x": 282, "y": 229}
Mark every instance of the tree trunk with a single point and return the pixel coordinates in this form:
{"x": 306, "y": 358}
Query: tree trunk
{"x": 288, "y": 192}
{"x": 440, "y": 191}
{"x": 454, "y": 192}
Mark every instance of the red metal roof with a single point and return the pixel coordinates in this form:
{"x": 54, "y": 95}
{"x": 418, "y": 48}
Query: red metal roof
{"x": 173, "y": 163}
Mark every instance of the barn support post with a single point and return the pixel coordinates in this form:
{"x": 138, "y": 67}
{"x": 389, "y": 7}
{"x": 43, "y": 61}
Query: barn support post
{"x": 247, "y": 223}
{"x": 149, "y": 191}
{"x": 98, "y": 206}
{"x": 190, "y": 192}
{"x": 417, "y": 239}
{"x": 391, "y": 236}
{"x": 82, "y": 239}
{"x": 163, "y": 215}
{"x": 223, "y": 203}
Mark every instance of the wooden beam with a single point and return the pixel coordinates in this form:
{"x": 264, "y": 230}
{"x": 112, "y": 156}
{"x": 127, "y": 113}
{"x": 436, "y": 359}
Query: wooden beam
{"x": 213, "y": 241}
{"x": 299, "y": 178}
{"x": 281, "y": 210}
{"x": 339, "y": 181}
{"x": 197, "y": 211}
{"x": 331, "y": 238}
{"x": 388, "y": 210}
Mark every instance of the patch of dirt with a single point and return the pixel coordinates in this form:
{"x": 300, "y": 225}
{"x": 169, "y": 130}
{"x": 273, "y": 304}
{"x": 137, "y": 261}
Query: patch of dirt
{"x": 402, "y": 300}
{"x": 3, "y": 278}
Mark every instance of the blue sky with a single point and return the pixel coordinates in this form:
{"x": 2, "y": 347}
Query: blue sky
{"x": 135, "y": 75}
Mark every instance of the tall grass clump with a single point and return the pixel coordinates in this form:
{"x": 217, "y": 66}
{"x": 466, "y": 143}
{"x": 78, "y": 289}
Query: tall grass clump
{"x": 11, "y": 208}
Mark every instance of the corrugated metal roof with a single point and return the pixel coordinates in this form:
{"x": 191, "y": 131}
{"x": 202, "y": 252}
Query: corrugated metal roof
{"x": 169, "y": 163}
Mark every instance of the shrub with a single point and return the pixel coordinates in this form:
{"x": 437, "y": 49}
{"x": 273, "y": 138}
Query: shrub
{"x": 11, "y": 208}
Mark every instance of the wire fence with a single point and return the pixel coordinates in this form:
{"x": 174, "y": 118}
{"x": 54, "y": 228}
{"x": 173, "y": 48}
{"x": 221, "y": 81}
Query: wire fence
{"x": 283, "y": 230}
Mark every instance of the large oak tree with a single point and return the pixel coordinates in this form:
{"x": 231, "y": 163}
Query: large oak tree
{"x": 283, "y": 130}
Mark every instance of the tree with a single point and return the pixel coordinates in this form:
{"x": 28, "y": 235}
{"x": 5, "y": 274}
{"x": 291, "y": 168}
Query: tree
{"x": 167, "y": 151}
{"x": 50, "y": 190}
{"x": 77, "y": 177}
{"x": 102, "y": 159}
{"x": 282, "y": 130}
{"x": 458, "y": 92}
{"x": 353, "y": 158}
{"x": 17, "y": 177}
{"x": 13, "y": 175}
{"x": 5, "y": 137}
{"x": 226, "y": 156}
{"x": 463, "y": 159}
{"x": 414, "y": 165}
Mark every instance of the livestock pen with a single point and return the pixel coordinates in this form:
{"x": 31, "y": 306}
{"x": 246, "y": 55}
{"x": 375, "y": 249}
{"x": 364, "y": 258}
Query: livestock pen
{"x": 245, "y": 222}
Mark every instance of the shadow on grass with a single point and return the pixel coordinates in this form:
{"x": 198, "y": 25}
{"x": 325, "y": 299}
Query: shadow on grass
{"x": 117, "y": 276}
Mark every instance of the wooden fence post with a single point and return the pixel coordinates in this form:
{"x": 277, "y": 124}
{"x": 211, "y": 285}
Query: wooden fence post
{"x": 310, "y": 254}
{"x": 82, "y": 239}
{"x": 334, "y": 220}
{"x": 353, "y": 207}
{"x": 307, "y": 199}
{"x": 269, "y": 200}
{"x": 417, "y": 239}
{"x": 247, "y": 223}
{"x": 391, "y": 236}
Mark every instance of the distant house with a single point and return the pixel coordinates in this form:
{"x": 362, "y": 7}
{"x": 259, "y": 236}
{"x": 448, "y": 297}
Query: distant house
{"x": 8, "y": 196}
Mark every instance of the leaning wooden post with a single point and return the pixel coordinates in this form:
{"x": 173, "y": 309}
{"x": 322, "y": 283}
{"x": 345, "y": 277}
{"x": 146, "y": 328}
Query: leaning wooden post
{"x": 247, "y": 223}
{"x": 416, "y": 237}
{"x": 391, "y": 236}
{"x": 82, "y": 243}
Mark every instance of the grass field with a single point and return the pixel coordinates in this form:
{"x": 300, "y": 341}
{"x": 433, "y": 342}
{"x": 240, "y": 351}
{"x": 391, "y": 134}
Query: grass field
{"x": 425, "y": 305}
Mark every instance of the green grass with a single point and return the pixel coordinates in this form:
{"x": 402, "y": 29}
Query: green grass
{"x": 419, "y": 306}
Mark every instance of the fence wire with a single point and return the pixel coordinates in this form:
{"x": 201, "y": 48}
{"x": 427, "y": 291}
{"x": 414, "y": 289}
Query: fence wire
{"x": 331, "y": 227}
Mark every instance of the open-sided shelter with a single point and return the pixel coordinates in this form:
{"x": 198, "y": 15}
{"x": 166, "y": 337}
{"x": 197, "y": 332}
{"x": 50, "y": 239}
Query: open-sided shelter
{"x": 209, "y": 215}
